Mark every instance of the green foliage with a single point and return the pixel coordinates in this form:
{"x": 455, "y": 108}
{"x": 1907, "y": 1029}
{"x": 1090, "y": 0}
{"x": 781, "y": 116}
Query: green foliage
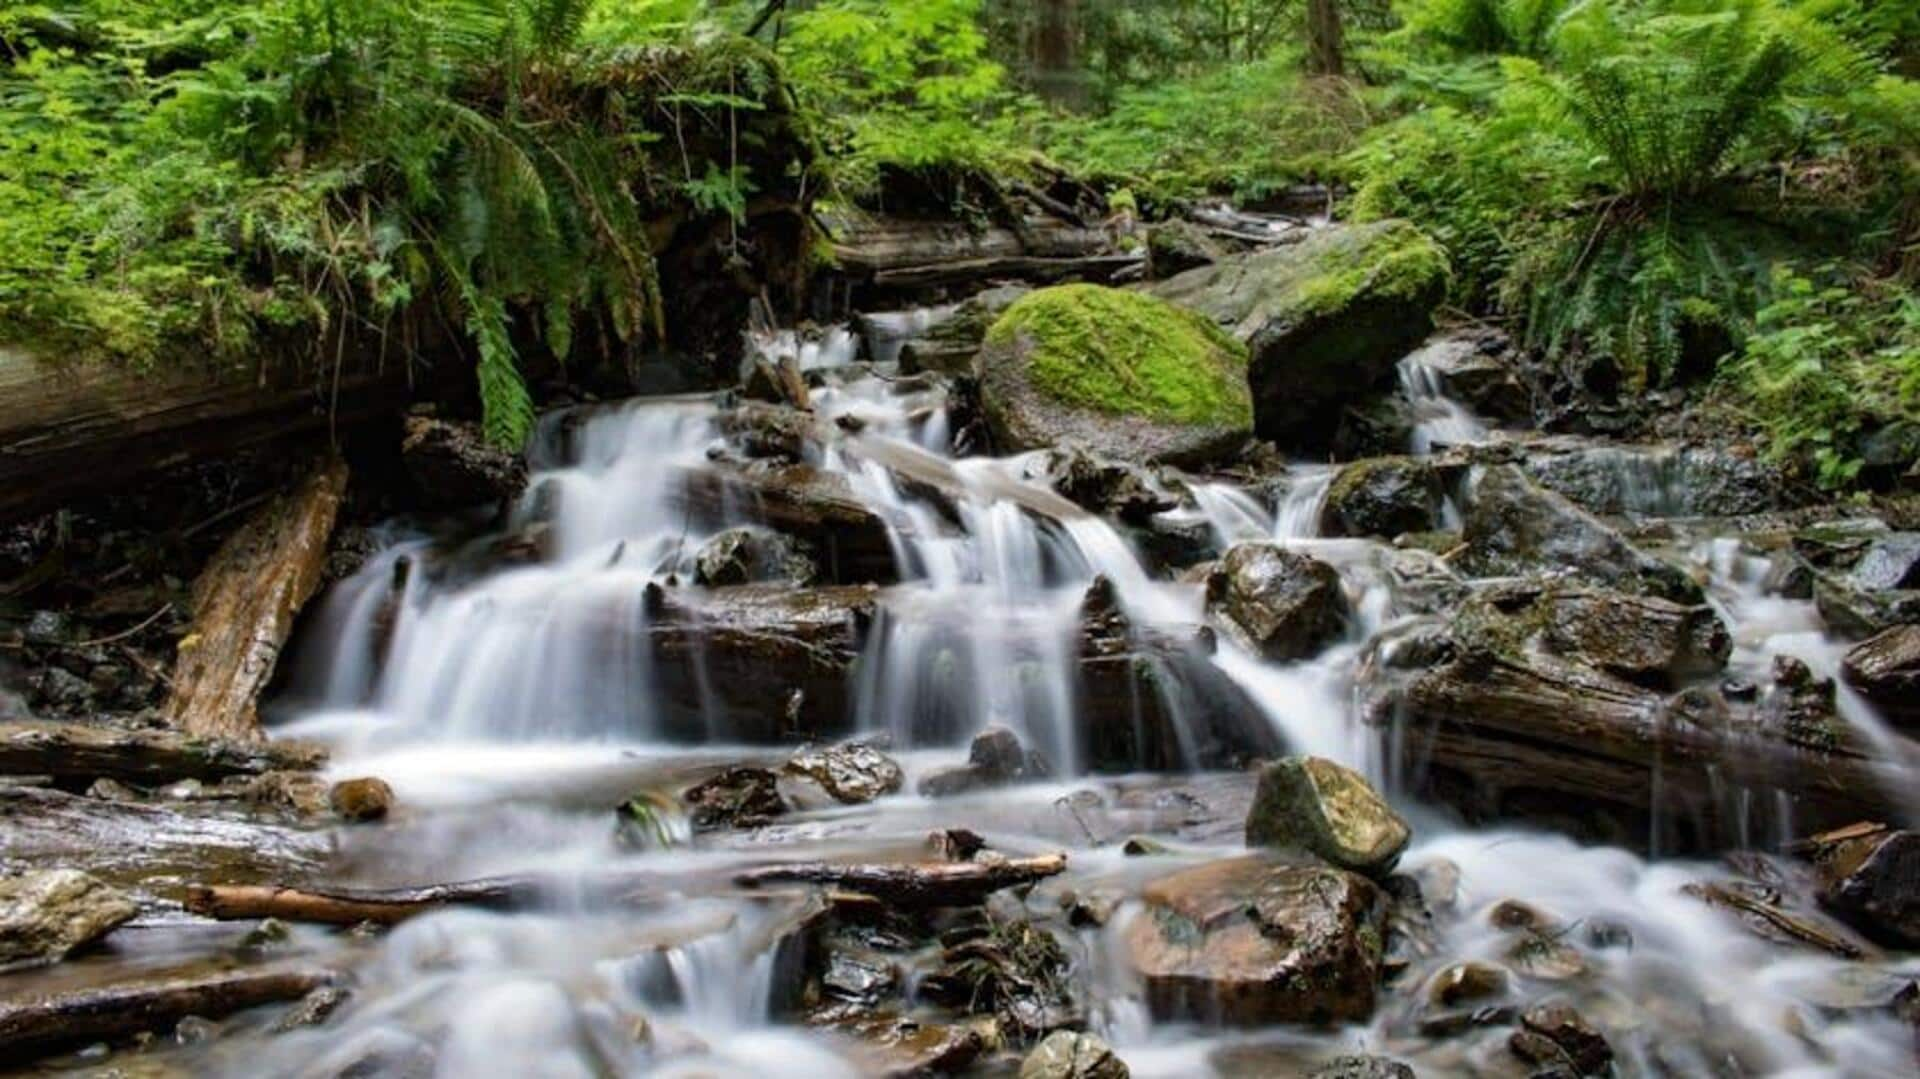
{"x": 1829, "y": 363}
{"x": 1247, "y": 130}
{"x": 1128, "y": 353}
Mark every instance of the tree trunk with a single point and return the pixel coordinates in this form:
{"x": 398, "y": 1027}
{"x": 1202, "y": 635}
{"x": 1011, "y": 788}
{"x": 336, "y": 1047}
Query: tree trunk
{"x": 33, "y": 1026}
{"x": 81, "y": 753}
{"x": 1056, "y": 54}
{"x": 1324, "y": 38}
{"x": 244, "y": 606}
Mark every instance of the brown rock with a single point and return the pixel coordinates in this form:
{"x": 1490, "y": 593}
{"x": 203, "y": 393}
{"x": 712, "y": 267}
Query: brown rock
{"x": 1555, "y": 1035}
{"x": 1885, "y": 669}
{"x": 48, "y": 913}
{"x": 1282, "y": 604}
{"x": 363, "y": 799}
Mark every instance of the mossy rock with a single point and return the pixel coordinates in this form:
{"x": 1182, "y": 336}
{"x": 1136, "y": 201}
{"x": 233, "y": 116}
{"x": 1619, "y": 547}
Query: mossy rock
{"x": 1121, "y": 373}
{"x": 1382, "y": 496}
{"x": 1324, "y": 320}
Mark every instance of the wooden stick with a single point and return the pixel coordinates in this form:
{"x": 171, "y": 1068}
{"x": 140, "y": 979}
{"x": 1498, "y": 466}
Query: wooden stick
{"x": 36, "y": 1025}
{"x": 238, "y": 902}
{"x": 938, "y": 884}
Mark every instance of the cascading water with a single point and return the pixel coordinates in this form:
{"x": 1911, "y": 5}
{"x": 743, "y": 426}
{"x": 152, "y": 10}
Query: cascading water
{"x": 1439, "y": 419}
{"x": 510, "y": 705}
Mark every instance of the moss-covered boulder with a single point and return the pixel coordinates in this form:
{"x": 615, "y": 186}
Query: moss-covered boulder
{"x": 1382, "y": 496}
{"x": 1314, "y": 804}
{"x": 1121, "y": 373}
{"x": 1324, "y": 320}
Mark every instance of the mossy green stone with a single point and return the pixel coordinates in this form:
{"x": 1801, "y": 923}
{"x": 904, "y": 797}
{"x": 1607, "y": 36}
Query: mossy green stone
{"x": 1127, "y": 353}
{"x": 1320, "y": 806}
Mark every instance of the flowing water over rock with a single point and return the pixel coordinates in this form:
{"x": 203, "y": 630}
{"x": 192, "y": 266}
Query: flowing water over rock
{"x": 514, "y": 687}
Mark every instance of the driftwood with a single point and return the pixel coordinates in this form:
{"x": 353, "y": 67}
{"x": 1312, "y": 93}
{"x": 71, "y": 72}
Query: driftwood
{"x": 75, "y": 428}
{"x": 32, "y": 1025}
{"x": 938, "y": 884}
{"x": 1501, "y": 735}
{"x": 899, "y": 253}
{"x": 236, "y": 902}
{"x": 78, "y": 752}
{"x": 244, "y": 606}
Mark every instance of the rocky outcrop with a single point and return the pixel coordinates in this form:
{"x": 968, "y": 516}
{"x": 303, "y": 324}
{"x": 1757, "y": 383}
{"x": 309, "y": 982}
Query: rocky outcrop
{"x": 1885, "y": 669}
{"x": 48, "y": 913}
{"x": 1281, "y": 604}
{"x": 1668, "y": 481}
{"x": 753, "y": 556}
{"x": 849, "y": 542}
{"x": 1640, "y": 638}
{"x": 452, "y": 465}
{"x": 1323, "y": 320}
{"x": 1515, "y": 527}
{"x": 1382, "y": 496}
{"x": 1114, "y": 489}
{"x": 1068, "y": 1054}
{"x": 1314, "y": 804}
{"x": 1254, "y": 941}
{"x": 1123, "y": 374}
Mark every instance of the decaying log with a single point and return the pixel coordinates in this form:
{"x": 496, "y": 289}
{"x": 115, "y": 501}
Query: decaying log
{"x": 1503, "y": 734}
{"x": 68, "y": 429}
{"x": 78, "y": 752}
{"x": 231, "y": 902}
{"x": 34, "y": 1024}
{"x": 245, "y": 602}
{"x": 139, "y": 841}
{"x": 899, "y": 253}
{"x": 936, "y": 884}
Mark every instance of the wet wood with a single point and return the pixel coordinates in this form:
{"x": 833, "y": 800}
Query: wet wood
{"x": 1504, "y": 736}
{"x": 148, "y": 843}
{"x": 937, "y": 884}
{"x": 905, "y": 253}
{"x": 72, "y": 429}
{"x": 80, "y": 753}
{"x": 1776, "y": 923}
{"x": 37, "y": 1024}
{"x": 229, "y": 902}
{"x": 245, "y": 602}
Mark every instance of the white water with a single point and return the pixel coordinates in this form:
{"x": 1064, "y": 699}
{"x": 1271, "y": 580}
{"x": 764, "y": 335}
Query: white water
{"x": 1439, "y": 420}
{"x": 509, "y": 709}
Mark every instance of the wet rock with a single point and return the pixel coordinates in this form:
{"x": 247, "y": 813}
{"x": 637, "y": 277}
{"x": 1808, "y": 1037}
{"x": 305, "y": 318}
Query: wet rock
{"x": 314, "y": 1009}
{"x": 1515, "y": 527}
{"x": 1890, "y": 562}
{"x": 1479, "y": 369}
{"x": 1885, "y": 669}
{"x": 1800, "y": 708}
{"x": 1317, "y": 805}
{"x": 994, "y": 759}
{"x": 1554, "y": 1036}
{"x": 1110, "y": 488}
{"x": 1467, "y": 983}
{"x": 453, "y": 465}
{"x": 1382, "y": 496}
{"x": 859, "y": 977}
{"x": 304, "y": 793}
{"x": 956, "y": 844}
{"x": 1547, "y": 956}
{"x": 898, "y": 1047}
{"x": 1015, "y": 970}
{"x": 949, "y": 345}
{"x": 1381, "y": 426}
{"x": 1641, "y": 638}
{"x": 360, "y": 800}
{"x": 751, "y": 555}
{"x": 55, "y": 691}
{"x": 1126, "y": 375}
{"x": 1361, "y": 1066}
{"x": 1069, "y": 1054}
{"x": 1324, "y": 320}
{"x": 851, "y": 774}
{"x": 1178, "y": 245}
{"x": 1281, "y": 604}
{"x": 47, "y": 913}
{"x": 764, "y": 431}
{"x": 1252, "y": 941}
{"x": 47, "y": 629}
{"x": 741, "y": 797}
{"x": 1692, "y": 481}
{"x": 1877, "y": 889}
{"x": 848, "y": 541}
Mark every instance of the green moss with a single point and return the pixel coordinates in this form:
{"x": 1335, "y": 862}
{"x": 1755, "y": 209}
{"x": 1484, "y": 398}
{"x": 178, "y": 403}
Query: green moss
{"x": 1128, "y": 354}
{"x": 1391, "y": 260}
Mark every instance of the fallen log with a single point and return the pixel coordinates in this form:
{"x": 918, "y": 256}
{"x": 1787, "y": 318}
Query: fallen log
{"x": 241, "y": 902}
{"x": 138, "y": 842}
{"x": 908, "y": 254}
{"x": 937, "y": 884}
{"x": 79, "y": 753}
{"x": 244, "y": 606}
{"x": 38, "y": 1024}
{"x": 1504, "y": 735}
{"x": 69, "y": 429}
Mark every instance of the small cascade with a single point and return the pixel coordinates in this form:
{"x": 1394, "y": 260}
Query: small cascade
{"x": 1298, "y": 517}
{"x": 1439, "y": 420}
{"x": 834, "y": 346}
{"x": 887, "y": 332}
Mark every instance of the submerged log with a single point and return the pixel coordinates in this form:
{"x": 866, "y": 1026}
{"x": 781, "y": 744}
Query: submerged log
{"x": 80, "y": 753}
{"x": 35, "y": 1025}
{"x": 1542, "y": 737}
{"x": 244, "y": 606}
{"x": 240, "y": 902}
{"x": 69, "y": 429}
{"x": 938, "y": 884}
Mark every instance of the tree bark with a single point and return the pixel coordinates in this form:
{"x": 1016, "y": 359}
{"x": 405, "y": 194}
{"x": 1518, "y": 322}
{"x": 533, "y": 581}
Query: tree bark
{"x": 938, "y": 884}
{"x": 244, "y": 606}
{"x": 32, "y": 1026}
{"x": 231, "y": 902}
{"x": 1056, "y": 69}
{"x": 78, "y": 752}
{"x": 905, "y": 254}
{"x": 1324, "y": 38}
